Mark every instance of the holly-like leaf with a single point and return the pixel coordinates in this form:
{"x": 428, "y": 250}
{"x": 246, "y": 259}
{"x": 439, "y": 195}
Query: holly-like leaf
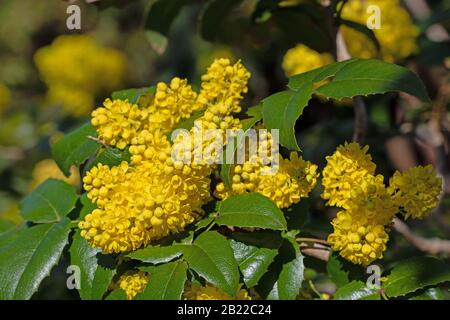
{"x": 166, "y": 281}
{"x": 356, "y": 290}
{"x": 29, "y": 257}
{"x": 212, "y": 258}
{"x": 75, "y": 148}
{"x": 342, "y": 271}
{"x": 285, "y": 276}
{"x": 415, "y": 273}
{"x": 281, "y": 110}
{"x": 157, "y": 254}
{"x": 215, "y": 11}
{"x": 133, "y": 94}
{"x": 49, "y": 202}
{"x": 250, "y": 210}
{"x": 428, "y": 294}
{"x": 362, "y": 77}
{"x": 254, "y": 252}
{"x": 96, "y": 269}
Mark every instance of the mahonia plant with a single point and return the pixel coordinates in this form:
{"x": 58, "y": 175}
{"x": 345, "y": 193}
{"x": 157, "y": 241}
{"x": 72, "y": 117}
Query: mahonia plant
{"x": 166, "y": 216}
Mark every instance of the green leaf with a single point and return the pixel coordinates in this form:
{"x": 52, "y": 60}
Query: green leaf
{"x": 96, "y": 269}
{"x": 214, "y": 14}
{"x": 133, "y": 94}
{"x": 6, "y": 225}
{"x": 285, "y": 276}
{"x": 29, "y": 257}
{"x": 281, "y": 111}
{"x": 363, "y": 29}
{"x": 49, "y": 202}
{"x": 75, "y": 148}
{"x": 362, "y": 77}
{"x": 212, "y": 258}
{"x": 159, "y": 19}
{"x": 429, "y": 294}
{"x": 254, "y": 252}
{"x": 204, "y": 222}
{"x": 109, "y": 156}
{"x": 317, "y": 75}
{"x": 159, "y": 254}
{"x": 87, "y": 206}
{"x": 412, "y": 274}
{"x": 356, "y": 290}
{"x": 250, "y": 210}
{"x": 166, "y": 281}
{"x": 255, "y": 114}
{"x": 336, "y": 270}
{"x": 341, "y": 271}
{"x": 117, "y": 294}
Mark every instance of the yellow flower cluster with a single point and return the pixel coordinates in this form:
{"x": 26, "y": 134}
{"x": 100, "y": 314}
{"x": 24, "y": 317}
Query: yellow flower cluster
{"x": 76, "y": 69}
{"x": 194, "y": 291}
{"x": 5, "y": 97}
{"x": 118, "y": 122}
{"x": 155, "y": 195}
{"x": 360, "y": 230}
{"x": 301, "y": 59}
{"x": 221, "y": 92}
{"x": 292, "y": 179}
{"x": 133, "y": 282}
{"x": 397, "y": 33}
{"x": 416, "y": 191}
{"x": 47, "y": 169}
{"x": 397, "y": 37}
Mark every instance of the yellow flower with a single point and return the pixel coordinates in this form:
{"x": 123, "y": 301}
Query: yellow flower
{"x": 76, "y": 70}
{"x": 119, "y": 122}
{"x": 171, "y": 104}
{"x": 47, "y": 169}
{"x": 397, "y": 33}
{"x": 301, "y": 59}
{"x": 5, "y": 97}
{"x": 223, "y": 86}
{"x": 360, "y": 233}
{"x": 133, "y": 282}
{"x": 157, "y": 196}
{"x": 194, "y": 291}
{"x": 136, "y": 205}
{"x": 345, "y": 169}
{"x": 357, "y": 241}
{"x": 293, "y": 180}
{"x": 416, "y": 191}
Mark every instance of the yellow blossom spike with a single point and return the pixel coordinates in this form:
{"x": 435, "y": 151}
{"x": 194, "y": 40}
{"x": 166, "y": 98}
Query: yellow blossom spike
{"x": 416, "y": 191}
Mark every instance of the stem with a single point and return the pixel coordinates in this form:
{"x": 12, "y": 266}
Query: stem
{"x": 314, "y": 289}
{"x": 359, "y": 106}
{"x": 324, "y": 242}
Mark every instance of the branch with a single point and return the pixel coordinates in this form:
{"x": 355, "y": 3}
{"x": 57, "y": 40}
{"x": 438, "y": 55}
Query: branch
{"x": 432, "y": 246}
{"x": 359, "y": 106}
{"x": 316, "y": 250}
